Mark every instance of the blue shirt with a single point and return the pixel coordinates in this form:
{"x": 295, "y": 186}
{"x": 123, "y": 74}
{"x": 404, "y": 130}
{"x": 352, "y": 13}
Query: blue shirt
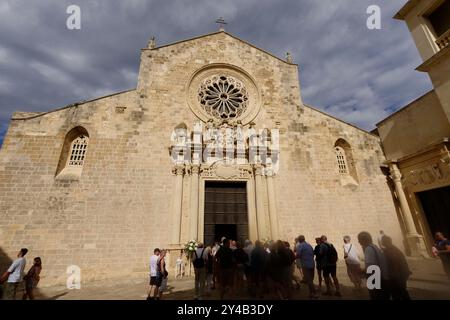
{"x": 305, "y": 253}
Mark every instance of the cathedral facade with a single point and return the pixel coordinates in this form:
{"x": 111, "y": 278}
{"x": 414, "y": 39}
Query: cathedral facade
{"x": 214, "y": 141}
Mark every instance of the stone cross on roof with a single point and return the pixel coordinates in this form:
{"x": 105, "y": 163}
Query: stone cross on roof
{"x": 222, "y": 23}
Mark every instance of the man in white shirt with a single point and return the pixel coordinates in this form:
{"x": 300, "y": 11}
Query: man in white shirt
{"x": 153, "y": 272}
{"x": 14, "y": 275}
{"x": 352, "y": 262}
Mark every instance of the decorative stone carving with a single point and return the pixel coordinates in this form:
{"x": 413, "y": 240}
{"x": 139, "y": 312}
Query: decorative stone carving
{"x": 428, "y": 174}
{"x": 178, "y": 170}
{"x": 152, "y": 43}
{"x": 221, "y": 171}
{"x": 223, "y": 92}
{"x": 223, "y": 97}
{"x": 288, "y": 57}
{"x": 120, "y": 109}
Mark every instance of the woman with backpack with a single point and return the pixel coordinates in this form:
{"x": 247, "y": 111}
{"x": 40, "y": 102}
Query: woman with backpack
{"x": 200, "y": 259}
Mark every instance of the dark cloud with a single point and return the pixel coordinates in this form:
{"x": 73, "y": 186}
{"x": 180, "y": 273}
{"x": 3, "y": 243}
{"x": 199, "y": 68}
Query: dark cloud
{"x": 356, "y": 74}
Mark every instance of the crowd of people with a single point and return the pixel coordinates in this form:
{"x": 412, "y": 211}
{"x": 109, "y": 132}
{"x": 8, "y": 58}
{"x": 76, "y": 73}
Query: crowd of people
{"x": 268, "y": 269}
{"x": 275, "y": 269}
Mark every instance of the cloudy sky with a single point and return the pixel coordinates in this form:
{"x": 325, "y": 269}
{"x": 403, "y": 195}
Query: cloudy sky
{"x": 346, "y": 70}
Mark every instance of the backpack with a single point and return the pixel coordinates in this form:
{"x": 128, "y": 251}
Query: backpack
{"x": 199, "y": 262}
{"x": 332, "y": 255}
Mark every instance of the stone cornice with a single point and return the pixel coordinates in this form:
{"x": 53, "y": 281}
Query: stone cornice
{"x": 435, "y": 59}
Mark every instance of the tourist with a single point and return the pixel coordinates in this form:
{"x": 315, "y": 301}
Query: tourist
{"x": 374, "y": 256}
{"x": 289, "y": 267}
{"x": 274, "y": 266}
{"x": 443, "y": 251}
{"x": 214, "y": 250}
{"x": 279, "y": 268}
{"x": 200, "y": 259}
{"x": 153, "y": 290}
{"x": 241, "y": 258}
{"x": 226, "y": 264}
{"x": 161, "y": 274}
{"x": 267, "y": 246}
{"x": 328, "y": 259}
{"x": 14, "y": 275}
{"x": 210, "y": 270}
{"x": 248, "y": 248}
{"x": 298, "y": 266}
{"x": 318, "y": 265}
{"x": 351, "y": 257}
{"x": 304, "y": 253}
{"x": 32, "y": 278}
{"x": 258, "y": 260}
{"x": 398, "y": 268}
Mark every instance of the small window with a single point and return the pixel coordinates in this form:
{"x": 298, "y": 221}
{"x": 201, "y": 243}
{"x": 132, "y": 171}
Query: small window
{"x": 345, "y": 162}
{"x": 341, "y": 160}
{"x": 73, "y": 154}
{"x": 78, "y": 151}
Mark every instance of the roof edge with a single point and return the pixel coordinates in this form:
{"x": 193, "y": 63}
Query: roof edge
{"x": 76, "y": 104}
{"x": 405, "y": 106}
{"x": 403, "y": 12}
{"x": 340, "y": 120}
{"x": 229, "y": 34}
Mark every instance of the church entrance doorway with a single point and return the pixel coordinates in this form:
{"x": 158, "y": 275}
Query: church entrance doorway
{"x": 225, "y": 211}
{"x": 436, "y": 206}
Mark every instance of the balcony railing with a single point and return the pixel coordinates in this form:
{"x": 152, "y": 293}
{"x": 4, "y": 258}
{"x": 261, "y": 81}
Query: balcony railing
{"x": 443, "y": 40}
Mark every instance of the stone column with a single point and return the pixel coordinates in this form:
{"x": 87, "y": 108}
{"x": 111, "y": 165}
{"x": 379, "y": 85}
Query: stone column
{"x": 260, "y": 212}
{"x": 193, "y": 214}
{"x": 413, "y": 239}
{"x": 272, "y": 206}
{"x": 178, "y": 170}
{"x": 252, "y": 218}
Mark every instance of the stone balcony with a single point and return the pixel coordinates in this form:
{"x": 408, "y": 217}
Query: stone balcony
{"x": 443, "y": 40}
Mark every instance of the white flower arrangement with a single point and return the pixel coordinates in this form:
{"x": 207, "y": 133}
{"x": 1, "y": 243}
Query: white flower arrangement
{"x": 190, "y": 247}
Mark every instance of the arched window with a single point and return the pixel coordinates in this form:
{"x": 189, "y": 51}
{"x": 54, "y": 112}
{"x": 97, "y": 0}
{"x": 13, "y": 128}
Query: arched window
{"x": 345, "y": 162}
{"x": 73, "y": 154}
{"x": 78, "y": 150}
{"x": 341, "y": 160}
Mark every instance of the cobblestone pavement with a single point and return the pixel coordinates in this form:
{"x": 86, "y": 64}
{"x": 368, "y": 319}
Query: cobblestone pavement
{"x": 427, "y": 282}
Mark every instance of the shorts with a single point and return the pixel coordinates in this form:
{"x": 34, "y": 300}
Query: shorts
{"x": 153, "y": 281}
{"x": 157, "y": 281}
{"x": 329, "y": 270}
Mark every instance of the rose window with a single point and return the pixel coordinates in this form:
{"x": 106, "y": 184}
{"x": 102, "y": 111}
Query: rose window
{"x": 223, "y": 97}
